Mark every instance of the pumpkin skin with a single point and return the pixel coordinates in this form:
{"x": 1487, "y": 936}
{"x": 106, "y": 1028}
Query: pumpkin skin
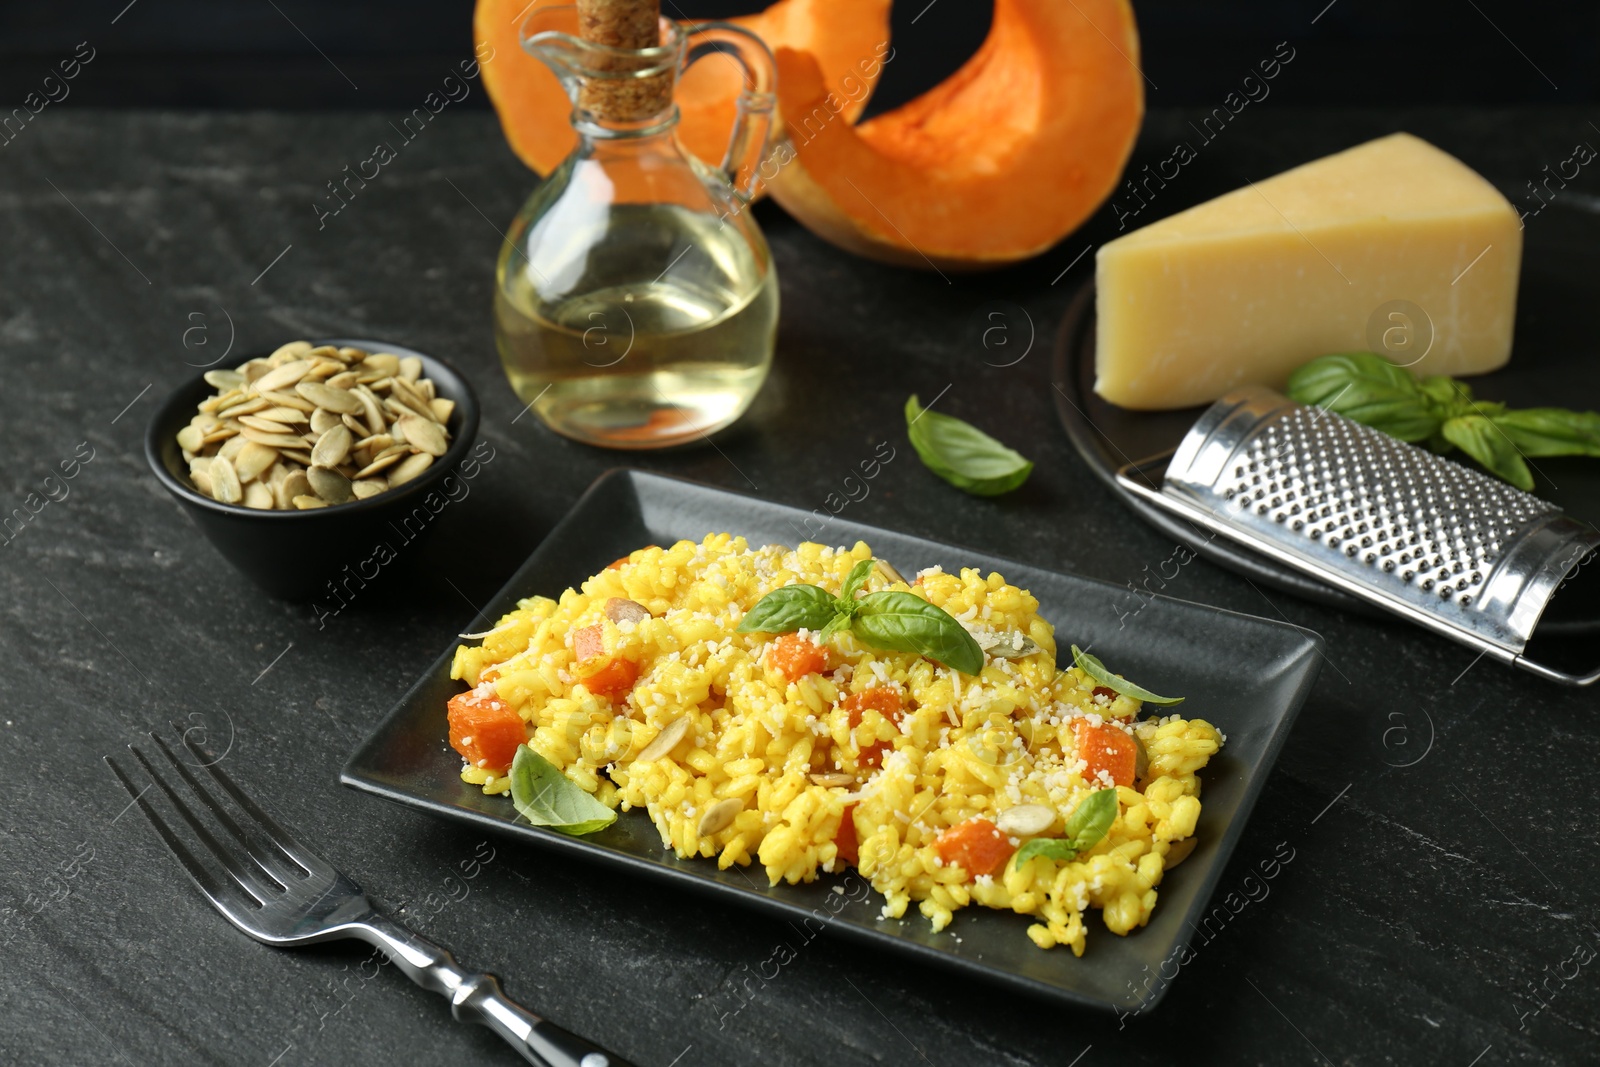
{"x": 847, "y": 38}
{"x": 995, "y": 164}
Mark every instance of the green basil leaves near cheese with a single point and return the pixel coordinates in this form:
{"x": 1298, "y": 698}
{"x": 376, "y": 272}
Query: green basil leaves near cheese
{"x": 1441, "y": 412}
{"x": 890, "y": 620}
{"x": 962, "y": 454}
{"x": 1092, "y": 666}
{"x": 547, "y": 797}
{"x": 1088, "y": 824}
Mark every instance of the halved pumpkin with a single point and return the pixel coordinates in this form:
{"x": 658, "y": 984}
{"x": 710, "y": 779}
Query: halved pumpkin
{"x": 997, "y": 163}
{"x": 847, "y": 38}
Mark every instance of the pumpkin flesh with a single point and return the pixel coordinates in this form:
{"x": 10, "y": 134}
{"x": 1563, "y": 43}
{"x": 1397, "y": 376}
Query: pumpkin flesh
{"x": 996, "y": 164}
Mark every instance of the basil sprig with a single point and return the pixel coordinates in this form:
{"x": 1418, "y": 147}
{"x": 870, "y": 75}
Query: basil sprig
{"x": 889, "y": 620}
{"x": 1092, "y": 666}
{"x": 962, "y": 454}
{"x": 1088, "y": 824}
{"x": 544, "y": 795}
{"x": 1442, "y": 413}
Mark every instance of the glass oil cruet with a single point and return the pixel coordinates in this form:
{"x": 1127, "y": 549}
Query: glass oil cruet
{"x": 636, "y": 305}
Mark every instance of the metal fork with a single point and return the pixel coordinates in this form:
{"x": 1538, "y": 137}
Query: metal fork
{"x": 281, "y": 893}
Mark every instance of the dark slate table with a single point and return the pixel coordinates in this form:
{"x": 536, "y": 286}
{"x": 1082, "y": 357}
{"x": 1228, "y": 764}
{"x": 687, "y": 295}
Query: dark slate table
{"x": 1440, "y": 905}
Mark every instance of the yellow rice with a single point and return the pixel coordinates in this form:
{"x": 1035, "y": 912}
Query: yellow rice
{"x": 965, "y": 746}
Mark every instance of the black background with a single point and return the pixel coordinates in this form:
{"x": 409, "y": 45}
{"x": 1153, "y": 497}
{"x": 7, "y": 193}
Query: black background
{"x": 260, "y": 53}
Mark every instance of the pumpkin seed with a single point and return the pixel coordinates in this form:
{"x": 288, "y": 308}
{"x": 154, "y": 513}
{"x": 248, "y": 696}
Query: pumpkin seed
{"x": 235, "y": 408}
{"x": 837, "y": 778}
{"x": 299, "y": 455}
{"x": 351, "y": 355}
{"x": 666, "y": 740}
{"x": 189, "y": 438}
{"x": 409, "y": 468}
{"x": 442, "y": 409}
{"x": 330, "y": 485}
{"x": 410, "y": 368}
{"x": 223, "y": 379}
{"x": 275, "y": 440}
{"x": 256, "y": 422}
{"x": 295, "y": 484}
{"x": 202, "y": 481}
{"x": 255, "y": 368}
{"x": 253, "y": 459}
{"x": 425, "y": 434}
{"x": 1025, "y": 820}
{"x": 282, "y": 377}
{"x": 324, "y": 396}
{"x": 225, "y": 487}
{"x": 720, "y": 816}
{"x": 1010, "y": 644}
{"x": 343, "y": 380}
{"x": 332, "y": 447}
{"x": 259, "y": 497}
{"x": 380, "y": 463}
{"x": 365, "y": 487}
{"x": 373, "y": 410}
{"x": 231, "y": 447}
{"x": 885, "y": 568}
{"x": 290, "y": 400}
{"x": 385, "y": 362}
{"x": 284, "y": 415}
{"x": 619, "y": 610}
{"x": 292, "y": 350}
{"x": 377, "y": 442}
{"x": 306, "y": 503}
{"x": 323, "y": 420}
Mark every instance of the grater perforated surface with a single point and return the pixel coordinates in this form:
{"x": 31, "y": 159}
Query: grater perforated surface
{"x": 1414, "y": 518}
{"x": 1444, "y": 546}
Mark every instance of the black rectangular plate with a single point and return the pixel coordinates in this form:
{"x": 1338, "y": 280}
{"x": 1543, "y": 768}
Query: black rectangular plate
{"x": 1248, "y": 676}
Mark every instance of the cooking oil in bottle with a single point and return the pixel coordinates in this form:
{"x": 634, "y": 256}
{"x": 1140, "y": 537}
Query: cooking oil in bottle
{"x": 637, "y": 325}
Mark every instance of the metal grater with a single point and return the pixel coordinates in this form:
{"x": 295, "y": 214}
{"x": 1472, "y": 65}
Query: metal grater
{"x": 1457, "y": 551}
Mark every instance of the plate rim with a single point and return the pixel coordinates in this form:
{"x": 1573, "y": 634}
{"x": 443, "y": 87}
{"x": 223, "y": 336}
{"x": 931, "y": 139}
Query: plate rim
{"x": 1304, "y": 664}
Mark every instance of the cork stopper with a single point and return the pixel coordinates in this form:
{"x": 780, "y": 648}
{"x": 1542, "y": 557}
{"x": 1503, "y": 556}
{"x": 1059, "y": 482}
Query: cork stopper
{"x": 632, "y": 24}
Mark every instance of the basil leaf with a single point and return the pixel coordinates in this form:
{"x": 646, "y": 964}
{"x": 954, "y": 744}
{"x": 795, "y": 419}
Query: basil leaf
{"x": 962, "y": 454}
{"x": 854, "y": 581}
{"x": 1091, "y": 820}
{"x": 547, "y": 797}
{"x": 788, "y": 609}
{"x": 1551, "y": 431}
{"x": 904, "y": 622}
{"x": 1477, "y": 437}
{"x": 1056, "y": 848}
{"x": 1369, "y": 389}
{"x": 1092, "y": 666}
{"x": 1086, "y": 827}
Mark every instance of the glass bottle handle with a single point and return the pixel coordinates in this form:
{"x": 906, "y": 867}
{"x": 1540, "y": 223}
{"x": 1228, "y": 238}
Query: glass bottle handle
{"x": 751, "y": 136}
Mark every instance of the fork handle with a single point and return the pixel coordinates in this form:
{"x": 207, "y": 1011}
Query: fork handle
{"x": 476, "y": 997}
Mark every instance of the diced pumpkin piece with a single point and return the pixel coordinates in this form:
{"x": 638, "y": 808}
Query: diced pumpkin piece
{"x": 976, "y": 846}
{"x": 484, "y": 729}
{"x": 794, "y": 657}
{"x": 886, "y": 702}
{"x": 1109, "y": 748}
{"x": 601, "y": 668}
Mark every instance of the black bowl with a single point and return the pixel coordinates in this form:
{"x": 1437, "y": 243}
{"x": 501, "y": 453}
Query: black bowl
{"x": 294, "y": 554}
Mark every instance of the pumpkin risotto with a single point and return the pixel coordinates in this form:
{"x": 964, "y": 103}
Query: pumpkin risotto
{"x": 808, "y": 756}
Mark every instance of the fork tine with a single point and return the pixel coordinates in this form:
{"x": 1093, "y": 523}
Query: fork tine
{"x": 222, "y": 896}
{"x": 218, "y": 852}
{"x": 269, "y": 826}
{"x": 277, "y": 871}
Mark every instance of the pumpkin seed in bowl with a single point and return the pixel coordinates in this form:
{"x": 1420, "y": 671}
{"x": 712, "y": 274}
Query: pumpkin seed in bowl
{"x": 308, "y": 427}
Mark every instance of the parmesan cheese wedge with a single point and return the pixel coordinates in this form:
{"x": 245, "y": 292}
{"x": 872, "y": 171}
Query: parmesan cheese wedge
{"x": 1392, "y": 246}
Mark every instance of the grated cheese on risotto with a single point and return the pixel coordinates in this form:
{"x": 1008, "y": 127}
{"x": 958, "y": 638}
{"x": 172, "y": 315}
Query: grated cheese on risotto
{"x": 842, "y": 754}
